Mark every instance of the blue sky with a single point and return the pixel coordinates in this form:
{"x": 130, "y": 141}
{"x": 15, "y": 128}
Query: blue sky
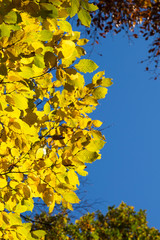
{"x": 129, "y": 170}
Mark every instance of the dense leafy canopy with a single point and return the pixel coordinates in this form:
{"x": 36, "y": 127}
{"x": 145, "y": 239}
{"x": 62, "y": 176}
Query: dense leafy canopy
{"x": 46, "y": 133}
{"x": 121, "y": 223}
{"x": 136, "y": 17}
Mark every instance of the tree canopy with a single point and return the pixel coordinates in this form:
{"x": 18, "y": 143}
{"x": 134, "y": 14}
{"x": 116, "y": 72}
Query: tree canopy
{"x": 121, "y": 223}
{"x": 47, "y": 136}
{"x": 136, "y": 18}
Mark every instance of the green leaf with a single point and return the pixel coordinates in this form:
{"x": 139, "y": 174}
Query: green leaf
{"x": 49, "y": 10}
{"x": 86, "y": 65}
{"x": 10, "y": 18}
{"x": 89, "y": 6}
{"x": 84, "y": 17}
{"x": 45, "y": 35}
{"x": 74, "y": 7}
{"x": 100, "y": 92}
{"x": 56, "y": 2}
{"x": 47, "y": 6}
{"x": 39, "y": 61}
{"x": 4, "y": 30}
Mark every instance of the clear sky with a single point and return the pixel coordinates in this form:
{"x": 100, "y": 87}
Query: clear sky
{"x": 129, "y": 170}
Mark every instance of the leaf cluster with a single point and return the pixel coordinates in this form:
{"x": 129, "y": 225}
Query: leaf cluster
{"x": 46, "y": 135}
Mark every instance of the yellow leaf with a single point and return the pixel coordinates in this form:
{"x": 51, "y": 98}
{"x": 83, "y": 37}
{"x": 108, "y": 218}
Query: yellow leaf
{"x": 51, "y": 207}
{"x": 97, "y": 123}
{"x": 67, "y": 48}
{"x": 15, "y": 219}
{"x": 26, "y": 72}
{"x": 1, "y": 206}
{"x": 3, "y": 148}
{"x": 95, "y": 145}
{"x": 15, "y": 152}
{"x": 13, "y": 77}
{"x": 11, "y": 203}
{"x": 82, "y": 41}
{"x": 73, "y": 178}
{"x": 87, "y": 156}
{"x": 106, "y": 82}
{"x": 39, "y": 153}
{"x": 47, "y": 108}
{"x": 12, "y": 112}
{"x": 70, "y": 197}
{"x": 100, "y": 92}
{"x": 58, "y": 198}
{"x": 83, "y": 122}
{"x": 3, "y": 182}
{"x": 97, "y": 77}
{"x": 65, "y": 26}
{"x": 27, "y": 60}
{"x": 86, "y": 65}
{"x": 20, "y": 101}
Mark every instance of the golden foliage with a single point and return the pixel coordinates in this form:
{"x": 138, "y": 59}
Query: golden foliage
{"x": 46, "y": 134}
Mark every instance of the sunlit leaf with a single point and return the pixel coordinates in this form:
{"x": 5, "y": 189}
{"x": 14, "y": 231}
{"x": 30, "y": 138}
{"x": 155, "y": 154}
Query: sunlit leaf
{"x": 46, "y": 135}
{"x": 68, "y": 47}
{"x": 26, "y": 72}
{"x": 97, "y": 123}
{"x": 82, "y": 41}
{"x": 71, "y": 197}
{"x": 20, "y": 101}
{"x": 47, "y": 108}
{"x": 100, "y": 92}
{"x": 65, "y": 26}
{"x": 86, "y": 65}
{"x": 106, "y": 82}
{"x": 95, "y": 145}
{"x": 88, "y": 156}
{"x": 39, "y": 153}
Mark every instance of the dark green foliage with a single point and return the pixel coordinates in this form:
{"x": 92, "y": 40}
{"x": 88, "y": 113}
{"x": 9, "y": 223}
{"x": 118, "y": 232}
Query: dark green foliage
{"x": 121, "y": 223}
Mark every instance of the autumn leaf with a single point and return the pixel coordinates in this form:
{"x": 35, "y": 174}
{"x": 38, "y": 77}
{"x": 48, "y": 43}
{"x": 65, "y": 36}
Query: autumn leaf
{"x": 86, "y": 65}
